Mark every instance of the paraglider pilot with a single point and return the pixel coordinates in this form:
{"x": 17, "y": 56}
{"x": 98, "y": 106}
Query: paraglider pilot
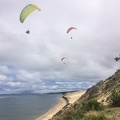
{"x": 27, "y": 31}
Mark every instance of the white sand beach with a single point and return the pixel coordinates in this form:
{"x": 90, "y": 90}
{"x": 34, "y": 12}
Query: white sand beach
{"x": 72, "y": 97}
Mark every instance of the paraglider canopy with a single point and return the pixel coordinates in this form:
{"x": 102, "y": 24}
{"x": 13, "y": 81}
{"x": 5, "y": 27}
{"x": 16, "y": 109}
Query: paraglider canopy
{"x": 27, "y": 10}
{"x": 71, "y": 28}
{"x": 62, "y": 58}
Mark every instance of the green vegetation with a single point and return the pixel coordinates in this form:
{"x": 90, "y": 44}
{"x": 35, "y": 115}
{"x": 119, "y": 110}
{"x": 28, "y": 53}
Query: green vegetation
{"x": 93, "y": 110}
{"x": 92, "y": 105}
{"x": 79, "y": 114}
{"x": 106, "y": 114}
{"x": 74, "y": 116}
{"x": 115, "y": 97}
{"x": 87, "y": 107}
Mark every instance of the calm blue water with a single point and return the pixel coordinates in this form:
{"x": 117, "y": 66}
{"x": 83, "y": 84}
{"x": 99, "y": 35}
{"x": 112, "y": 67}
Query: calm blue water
{"x": 26, "y": 107}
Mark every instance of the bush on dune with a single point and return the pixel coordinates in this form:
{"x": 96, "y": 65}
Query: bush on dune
{"x": 92, "y": 105}
{"x": 115, "y": 97}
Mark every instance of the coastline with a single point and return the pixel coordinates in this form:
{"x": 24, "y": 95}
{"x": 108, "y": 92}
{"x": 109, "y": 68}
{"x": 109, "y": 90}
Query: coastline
{"x": 71, "y": 97}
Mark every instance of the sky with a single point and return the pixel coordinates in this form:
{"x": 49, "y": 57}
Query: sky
{"x": 32, "y": 62}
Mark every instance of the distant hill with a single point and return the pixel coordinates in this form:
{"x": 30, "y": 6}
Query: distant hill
{"x": 101, "y": 92}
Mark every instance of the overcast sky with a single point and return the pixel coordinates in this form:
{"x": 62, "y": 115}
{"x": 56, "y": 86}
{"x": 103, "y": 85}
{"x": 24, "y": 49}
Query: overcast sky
{"x": 32, "y": 62}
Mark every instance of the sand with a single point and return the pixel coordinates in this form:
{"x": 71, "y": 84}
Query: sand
{"x": 72, "y": 97}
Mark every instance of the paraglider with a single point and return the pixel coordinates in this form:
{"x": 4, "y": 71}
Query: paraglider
{"x": 27, "y": 31}
{"x": 71, "y": 28}
{"x": 63, "y": 58}
{"x": 27, "y": 10}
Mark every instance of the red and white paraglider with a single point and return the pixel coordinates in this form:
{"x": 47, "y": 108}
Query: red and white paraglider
{"x": 63, "y": 58}
{"x": 70, "y": 29}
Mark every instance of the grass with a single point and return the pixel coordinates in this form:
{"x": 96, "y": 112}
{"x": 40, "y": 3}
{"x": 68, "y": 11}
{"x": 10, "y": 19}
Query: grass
{"x": 95, "y": 117}
{"x": 93, "y": 110}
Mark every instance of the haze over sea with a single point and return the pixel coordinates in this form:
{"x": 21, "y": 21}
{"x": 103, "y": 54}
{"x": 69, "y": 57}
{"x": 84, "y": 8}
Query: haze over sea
{"x": 26, "y": 106}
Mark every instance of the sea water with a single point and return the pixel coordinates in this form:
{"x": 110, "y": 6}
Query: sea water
{"x": 26, "y": 107}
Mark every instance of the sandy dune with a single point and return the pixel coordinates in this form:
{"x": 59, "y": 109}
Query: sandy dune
{"x": 72, "y": 97}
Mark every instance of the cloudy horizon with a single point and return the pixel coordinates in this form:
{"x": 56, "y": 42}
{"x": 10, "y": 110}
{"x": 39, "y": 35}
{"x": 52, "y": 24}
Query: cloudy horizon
{"x": 32, "y": 62}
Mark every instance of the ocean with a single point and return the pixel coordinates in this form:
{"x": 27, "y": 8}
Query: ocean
{"x": 27, "y": 106}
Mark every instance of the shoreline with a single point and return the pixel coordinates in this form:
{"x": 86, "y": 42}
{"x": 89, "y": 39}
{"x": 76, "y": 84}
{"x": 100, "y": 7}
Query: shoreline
{"x": 68, "y": 98}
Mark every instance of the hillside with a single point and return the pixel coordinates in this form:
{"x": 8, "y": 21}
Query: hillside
{"x": 102, "y": 90}
{"x": 99, "y": 95}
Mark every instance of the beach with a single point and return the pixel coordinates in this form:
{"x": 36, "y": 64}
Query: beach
{"x": 71, "y": 97}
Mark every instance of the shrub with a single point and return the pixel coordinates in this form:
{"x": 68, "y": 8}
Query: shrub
{"x": 92, "y": 105}
{"x": 115, "y": 97}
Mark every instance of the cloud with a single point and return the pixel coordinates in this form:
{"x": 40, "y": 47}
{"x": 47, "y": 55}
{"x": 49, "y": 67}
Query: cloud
{"x": 28, "y": 62}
